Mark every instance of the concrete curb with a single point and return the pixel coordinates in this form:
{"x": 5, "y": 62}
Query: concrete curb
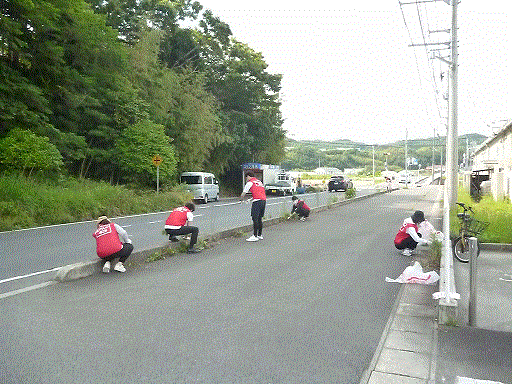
{"x": 87, "y": 268}
{"x": 496, "y": 246}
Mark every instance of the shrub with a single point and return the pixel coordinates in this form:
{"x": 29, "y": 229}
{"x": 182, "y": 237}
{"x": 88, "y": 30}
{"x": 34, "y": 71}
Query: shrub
{"x": 350, "y": 193}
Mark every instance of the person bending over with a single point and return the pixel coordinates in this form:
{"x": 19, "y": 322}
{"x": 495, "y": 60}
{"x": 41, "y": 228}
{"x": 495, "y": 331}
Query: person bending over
{"x": 259, "y": 200}
{"x": 178, "y": 224}
{"x": 300, "y": 207}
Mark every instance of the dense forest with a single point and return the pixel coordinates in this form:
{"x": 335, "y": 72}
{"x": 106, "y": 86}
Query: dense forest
{"x": 95, "y": 88}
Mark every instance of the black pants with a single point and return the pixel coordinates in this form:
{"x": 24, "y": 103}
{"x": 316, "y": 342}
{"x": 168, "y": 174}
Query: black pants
{"x": 408, "y": 242}
{"x": 301, "y": 212}
{"x": 257, "y": 213}
{"x": 122, "y": 254}
{"x": 185, "y": 230}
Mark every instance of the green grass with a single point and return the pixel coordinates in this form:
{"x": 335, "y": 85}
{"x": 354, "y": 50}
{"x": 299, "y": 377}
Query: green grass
{"x": 350, "y": 193}
{"x": 26, "y": 203}
{"x": 497, "y": 213}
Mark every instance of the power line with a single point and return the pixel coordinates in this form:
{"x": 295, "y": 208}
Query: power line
{"x": 434, "y": 84}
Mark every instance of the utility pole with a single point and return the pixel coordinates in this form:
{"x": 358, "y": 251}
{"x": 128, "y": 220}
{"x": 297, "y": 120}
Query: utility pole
{"x": 373, "y": 158}
{"x": 406, "y": 160}
{"x": 433, "y": 145}
{"x": 451, "y": 138}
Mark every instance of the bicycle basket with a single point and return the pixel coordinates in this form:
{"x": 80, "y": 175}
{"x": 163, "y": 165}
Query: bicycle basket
{"x": 476, "y": 226}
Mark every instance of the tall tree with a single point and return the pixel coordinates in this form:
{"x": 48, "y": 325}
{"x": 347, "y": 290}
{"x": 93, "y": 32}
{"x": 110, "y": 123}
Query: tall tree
{"x": 136, "y": 147}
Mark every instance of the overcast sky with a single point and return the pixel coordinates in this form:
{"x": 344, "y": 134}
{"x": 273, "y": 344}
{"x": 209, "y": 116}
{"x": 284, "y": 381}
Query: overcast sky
{"x": 349, "y": 71}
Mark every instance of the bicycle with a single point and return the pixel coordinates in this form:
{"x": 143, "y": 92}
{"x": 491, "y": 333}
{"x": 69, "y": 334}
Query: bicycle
{"x": 469, "y": 227}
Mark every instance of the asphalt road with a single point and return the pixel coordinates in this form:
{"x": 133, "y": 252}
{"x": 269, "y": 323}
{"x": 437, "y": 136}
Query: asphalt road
{"x": 36, "y": 250}
{"x": 307, "y": 304}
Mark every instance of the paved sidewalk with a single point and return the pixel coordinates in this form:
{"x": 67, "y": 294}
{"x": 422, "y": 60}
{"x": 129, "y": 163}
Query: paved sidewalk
{"x": 414, "y": 349}
{"x": 406, "y": 353}
{"x": 482, "y": 353}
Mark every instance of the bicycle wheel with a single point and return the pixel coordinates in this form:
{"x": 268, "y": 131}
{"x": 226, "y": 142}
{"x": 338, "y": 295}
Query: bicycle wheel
{"x": 461, "y": 249}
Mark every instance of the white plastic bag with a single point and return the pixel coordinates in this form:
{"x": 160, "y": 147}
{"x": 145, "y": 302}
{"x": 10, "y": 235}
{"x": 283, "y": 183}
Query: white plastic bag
{"x": 428, "y": 231}
{"x": 414, "y": 274}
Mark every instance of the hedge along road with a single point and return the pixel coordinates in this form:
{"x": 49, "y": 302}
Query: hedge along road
{"x": 308, "y": 304}
{"x": 31, "y": 256}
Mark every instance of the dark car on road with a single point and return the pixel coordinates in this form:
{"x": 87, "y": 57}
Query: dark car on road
{"x": 339, "y": 183}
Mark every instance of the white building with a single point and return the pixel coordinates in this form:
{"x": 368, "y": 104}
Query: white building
{"x": 494, "y": 157}
{"x": 328, "y": 171}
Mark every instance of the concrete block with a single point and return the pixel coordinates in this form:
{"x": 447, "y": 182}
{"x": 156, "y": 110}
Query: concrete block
{"x": 447, "y": 314}
{"x": 409, "y": 341}
{"x": 416, "y": 310}
{"x": 77, "y": 270}
{"x": 419, "y": 294}
{"x": 412, "y": 364}
{"x": 389, "y": 378}
{"x": 413, "y": 324}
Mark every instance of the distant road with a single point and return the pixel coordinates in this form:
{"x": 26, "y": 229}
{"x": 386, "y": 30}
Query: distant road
{"x": 33, "y": 251}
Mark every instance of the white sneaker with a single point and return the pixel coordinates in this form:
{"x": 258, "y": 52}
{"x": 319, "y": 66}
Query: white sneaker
{"x": 260, "y": 237}
{"x": 119, "y": 267}
{"x": 106, "y": 267}
{"x": 407, "y": 252}
{"x": 252, "y": 238}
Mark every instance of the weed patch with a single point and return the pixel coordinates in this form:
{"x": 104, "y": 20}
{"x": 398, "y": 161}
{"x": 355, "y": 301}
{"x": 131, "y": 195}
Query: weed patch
{"x": 497, "y": 213}
{"x": 350, "y": 193}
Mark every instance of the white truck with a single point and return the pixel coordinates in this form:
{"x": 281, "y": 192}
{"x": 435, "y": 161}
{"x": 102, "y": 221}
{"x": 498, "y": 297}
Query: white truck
{"x": 276, "y": 180}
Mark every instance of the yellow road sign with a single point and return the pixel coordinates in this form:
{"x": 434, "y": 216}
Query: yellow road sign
{"x": 157, "y": 160}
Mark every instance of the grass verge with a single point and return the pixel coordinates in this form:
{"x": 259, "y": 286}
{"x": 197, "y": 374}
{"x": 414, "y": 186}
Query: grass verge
{"x": 26, "y": 203}
{"x": 497, "y": 213}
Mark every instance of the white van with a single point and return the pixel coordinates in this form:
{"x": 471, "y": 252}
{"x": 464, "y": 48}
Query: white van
{"x": 204, "y": 186}
{"x": 404, "y": 177}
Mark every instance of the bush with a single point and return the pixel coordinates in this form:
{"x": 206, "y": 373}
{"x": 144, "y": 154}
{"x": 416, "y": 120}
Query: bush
{"x": 350, "y": 193}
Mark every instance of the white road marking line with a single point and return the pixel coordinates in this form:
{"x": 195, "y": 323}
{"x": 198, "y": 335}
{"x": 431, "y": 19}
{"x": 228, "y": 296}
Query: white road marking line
{"x": 18, "y": 291}
{"x": 153, "y": 222}
{"x": 82, "y": 222}
{"x": 30, "y": 275}
{"x": 223, "y": 205}
{"x": 502, "y": 279}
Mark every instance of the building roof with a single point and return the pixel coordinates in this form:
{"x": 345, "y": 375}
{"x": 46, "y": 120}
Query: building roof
{"x": 491, "y": 140}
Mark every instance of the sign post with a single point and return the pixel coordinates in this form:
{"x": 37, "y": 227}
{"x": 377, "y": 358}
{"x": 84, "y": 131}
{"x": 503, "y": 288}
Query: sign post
{"x": 157, "y": 160}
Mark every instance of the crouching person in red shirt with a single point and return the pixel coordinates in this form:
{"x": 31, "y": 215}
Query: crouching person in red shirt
{"x": 300, "y": 207}
{"x": 178, "y": 224}
{"x": 112, "y": 242}
{"x": 408, "y": 237}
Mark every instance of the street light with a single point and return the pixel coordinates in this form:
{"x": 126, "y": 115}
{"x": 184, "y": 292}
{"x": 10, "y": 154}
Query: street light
{"x": 386, "y": 163}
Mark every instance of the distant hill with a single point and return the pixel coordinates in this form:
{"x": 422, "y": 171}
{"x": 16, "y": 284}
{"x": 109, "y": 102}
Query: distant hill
{"x": 474, "y": 139}
{"x": 326, "y": 145}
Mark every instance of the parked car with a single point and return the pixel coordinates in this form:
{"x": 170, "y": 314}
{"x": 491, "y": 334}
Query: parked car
{"x": 204, "y": 186}
{"x": 339, "y": 183}
{"x": 404, "y": 177}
